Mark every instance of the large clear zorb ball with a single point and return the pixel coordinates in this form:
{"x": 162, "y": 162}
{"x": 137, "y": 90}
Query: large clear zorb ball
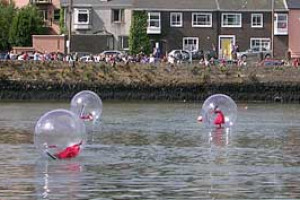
{"x": 87, "y": 105}
{"x": 59, "y": 134}
{"x": 219, "y": 110}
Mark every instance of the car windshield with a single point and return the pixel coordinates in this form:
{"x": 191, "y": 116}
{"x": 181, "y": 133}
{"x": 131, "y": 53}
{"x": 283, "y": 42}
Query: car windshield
{"x": 256, "y": 49}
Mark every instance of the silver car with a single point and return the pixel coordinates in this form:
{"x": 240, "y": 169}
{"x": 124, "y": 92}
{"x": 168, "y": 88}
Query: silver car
{"x": 254, "y": 54}
{"x": 178, "y": 56}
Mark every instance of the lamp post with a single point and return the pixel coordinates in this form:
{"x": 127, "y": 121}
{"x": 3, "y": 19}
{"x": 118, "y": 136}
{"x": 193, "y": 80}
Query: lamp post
{"x": 273, "y": 18}
{"x": 70, "y": 25}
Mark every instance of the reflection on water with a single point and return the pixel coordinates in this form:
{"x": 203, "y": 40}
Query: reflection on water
{"x": 157, "y": 151}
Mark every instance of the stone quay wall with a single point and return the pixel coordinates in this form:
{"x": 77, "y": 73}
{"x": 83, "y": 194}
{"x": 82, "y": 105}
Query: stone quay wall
{"x": 189, "y": 82}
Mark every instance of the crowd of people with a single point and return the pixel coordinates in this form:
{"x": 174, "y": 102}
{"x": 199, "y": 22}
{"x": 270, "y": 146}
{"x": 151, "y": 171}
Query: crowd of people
{"x": 204, "y": 59}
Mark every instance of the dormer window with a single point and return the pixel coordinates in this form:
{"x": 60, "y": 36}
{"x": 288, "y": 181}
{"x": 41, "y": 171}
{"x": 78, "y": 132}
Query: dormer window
{"x": 81, "y": 18}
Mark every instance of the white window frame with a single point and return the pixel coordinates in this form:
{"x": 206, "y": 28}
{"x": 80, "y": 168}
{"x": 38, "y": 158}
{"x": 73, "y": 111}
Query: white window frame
{"x": 120, "y": 16}
{"x": 239, "y": 25}
{"x": 180, "y": 24}
{"x": 278, "y": 30}
{"x": 122, "y": 42}
{"x": 149, "y": 19}
{"x": 202, "y": 14}
{"x": 82, "y": 11}
{"x": 262, "y": 41}
{"x": 254, "y": 23}
{"x": 190, "y": 38}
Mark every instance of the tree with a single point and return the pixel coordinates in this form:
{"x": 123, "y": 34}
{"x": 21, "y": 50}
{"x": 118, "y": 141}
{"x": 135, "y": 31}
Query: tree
{"x": 26, "y": 22}
{"x": 138, "y": 37}
{"x": 62, "y": 21}
{"x": 7, "y": 12}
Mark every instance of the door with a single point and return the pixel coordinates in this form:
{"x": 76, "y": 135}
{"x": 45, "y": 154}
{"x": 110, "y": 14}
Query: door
{"x": 226, "y": 43}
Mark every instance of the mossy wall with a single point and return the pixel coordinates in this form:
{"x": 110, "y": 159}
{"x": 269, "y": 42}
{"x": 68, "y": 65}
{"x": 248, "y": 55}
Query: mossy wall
{"x": 60, "y": 81}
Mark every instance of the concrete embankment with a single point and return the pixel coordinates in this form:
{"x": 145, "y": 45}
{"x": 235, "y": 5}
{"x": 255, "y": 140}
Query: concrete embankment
{"x": 60, "y": 81}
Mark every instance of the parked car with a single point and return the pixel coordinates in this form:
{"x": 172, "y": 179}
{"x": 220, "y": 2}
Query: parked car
{"x": 87, "y": 58}
{"x": 197, "y": 55}
{"x": 114, "y": 53}
{"x": 254, "y": 53}
{"x": 178, "y": 55}
{"x": 3, "y": 56}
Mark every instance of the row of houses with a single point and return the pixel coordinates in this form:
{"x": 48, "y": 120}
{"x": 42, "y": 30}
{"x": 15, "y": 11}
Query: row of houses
{"x": 219, "y": 25}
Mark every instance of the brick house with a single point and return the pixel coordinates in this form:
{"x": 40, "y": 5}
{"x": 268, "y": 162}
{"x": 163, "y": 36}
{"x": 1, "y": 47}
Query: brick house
{"x": 219, "y": 24}
{"x": 294, "y": 28}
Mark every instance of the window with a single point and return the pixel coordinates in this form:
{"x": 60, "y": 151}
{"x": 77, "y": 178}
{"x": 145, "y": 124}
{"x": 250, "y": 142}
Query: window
{"x": 124, "y": 42}
{"x": 260, "y": 43}
{"x": 190, "y": 43}
{"x": 176, "y": 19}
{"x": 231, "y": 20}
{"x": 56, "y": 15}
{"x": 257, "y": 20}
{"x": 117, "y": 15}
{"x": 45, "y": 17}
{"x": 153, "y": 23}
{"x": 81, "y": 16}
{"x": 281, "y": 24}
{"x": 154, "y": 20}
{"x": 201, "y": 20}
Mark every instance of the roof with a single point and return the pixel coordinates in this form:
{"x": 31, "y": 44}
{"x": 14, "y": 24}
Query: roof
{"x": 175, "y": 5}
{"x": 293, "y": 4}
{"x": 99, "y": 3}
{"x": 251, "y": 5}
{"x": 210, "y": 5}
{"x": 188, "y": 5}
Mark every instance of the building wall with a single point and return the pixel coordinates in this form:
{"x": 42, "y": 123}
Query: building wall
{"x": 55, "y": 24}
{"x": 49, "y": 43}
{"x": 101, "y": 22}
{"x": 21, "y": 3}
{"x": 89, "y": 43}
{"x": 244, "y": 33}
{"x": 172, "y": 37}
{"x": 294, "y": 33}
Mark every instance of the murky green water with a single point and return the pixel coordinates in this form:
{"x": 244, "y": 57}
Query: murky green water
{"x": 157, "y": 151}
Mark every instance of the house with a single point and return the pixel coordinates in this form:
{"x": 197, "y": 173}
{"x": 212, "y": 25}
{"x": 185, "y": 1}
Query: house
{"x": 217, "y": 25}
{"x": 194, "y": 25}
{"x": 98, "y": 25}
{"x": 176, "y": 24}
{"x": 294, "y": 28}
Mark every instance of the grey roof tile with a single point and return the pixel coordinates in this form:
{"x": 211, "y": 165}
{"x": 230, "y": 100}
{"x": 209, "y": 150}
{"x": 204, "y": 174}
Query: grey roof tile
{"x": 293, "y": 4}
{"x": 175, "y": 4}
{"x": 251, "y": 5}
{"x": 98, "y": 3}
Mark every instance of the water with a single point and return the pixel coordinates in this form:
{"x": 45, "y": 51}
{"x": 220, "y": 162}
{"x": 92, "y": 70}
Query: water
{"x": 157, "y": 151}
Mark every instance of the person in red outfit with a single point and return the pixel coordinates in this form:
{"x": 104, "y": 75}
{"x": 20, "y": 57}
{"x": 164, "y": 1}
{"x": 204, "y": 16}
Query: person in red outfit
{"x": 219, "y": 119}
{"x": 88, "y": 117}
{"x": 69, "y": 152}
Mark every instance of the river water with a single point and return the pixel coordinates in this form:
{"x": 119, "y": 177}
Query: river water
{"x": 155, "y": 150}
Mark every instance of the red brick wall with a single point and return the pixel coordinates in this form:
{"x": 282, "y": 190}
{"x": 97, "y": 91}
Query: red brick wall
{"x": 49, "y": 43}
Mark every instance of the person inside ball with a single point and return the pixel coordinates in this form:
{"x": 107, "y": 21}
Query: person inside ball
{"x": 220, "y": 118}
